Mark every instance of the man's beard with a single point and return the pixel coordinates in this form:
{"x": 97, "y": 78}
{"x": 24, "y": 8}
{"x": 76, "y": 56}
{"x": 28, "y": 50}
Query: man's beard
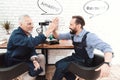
{"x": 73, "y": 31}
{"x": 30, "y": 31}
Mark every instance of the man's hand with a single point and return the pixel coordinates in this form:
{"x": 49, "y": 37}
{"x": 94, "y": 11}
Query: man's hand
{"x": 105, "y": 70}
{"x": 36, "y": 64}
{"x": 34, "y": 59}
{"x": 52, "y": 26}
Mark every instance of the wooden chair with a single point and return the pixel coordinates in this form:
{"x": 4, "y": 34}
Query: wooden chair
{"x": 8, "y": 73}
{"x": 87, "y": 73}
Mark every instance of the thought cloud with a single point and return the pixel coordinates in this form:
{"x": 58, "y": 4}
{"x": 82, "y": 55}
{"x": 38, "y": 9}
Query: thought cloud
{"x": 50, "y": 7}
{"x": 96, "y": 7}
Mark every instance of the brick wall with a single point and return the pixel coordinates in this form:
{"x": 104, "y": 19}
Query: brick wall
{"x": 10, "y": 10}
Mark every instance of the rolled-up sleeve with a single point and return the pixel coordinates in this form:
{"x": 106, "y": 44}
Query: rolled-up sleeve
{"x": 64, "y": 36}
{"x": 96, "y": 43}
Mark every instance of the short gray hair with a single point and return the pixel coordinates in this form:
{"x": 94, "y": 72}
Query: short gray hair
{"x": 21, "y": 18}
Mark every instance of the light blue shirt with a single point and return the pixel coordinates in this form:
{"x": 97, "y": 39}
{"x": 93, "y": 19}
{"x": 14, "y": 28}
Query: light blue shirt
{"x": 92, "y": 41}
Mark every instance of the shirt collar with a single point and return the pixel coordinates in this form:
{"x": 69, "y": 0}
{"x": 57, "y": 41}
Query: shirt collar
{"x": 81, "y": 33}
{"x": 22, "y": 31}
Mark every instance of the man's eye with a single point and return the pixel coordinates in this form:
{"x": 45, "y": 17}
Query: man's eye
{"x": 29, "y": 24}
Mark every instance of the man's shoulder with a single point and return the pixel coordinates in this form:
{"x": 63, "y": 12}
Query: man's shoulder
{"x": 18, "y": 30}
{"x": 92, "y": 37}
{"x": 17, "y": 33}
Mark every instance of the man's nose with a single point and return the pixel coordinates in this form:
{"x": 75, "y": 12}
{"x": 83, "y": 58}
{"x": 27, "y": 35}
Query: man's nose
{"x": 32, "y": 25}
{"x": 69, "y": 27}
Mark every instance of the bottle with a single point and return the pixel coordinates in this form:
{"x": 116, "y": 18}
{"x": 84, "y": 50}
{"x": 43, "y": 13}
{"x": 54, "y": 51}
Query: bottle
{"x": 51, "y": 37}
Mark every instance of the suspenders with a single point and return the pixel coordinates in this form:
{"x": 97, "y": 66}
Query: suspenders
{"x": 80, "y": 50}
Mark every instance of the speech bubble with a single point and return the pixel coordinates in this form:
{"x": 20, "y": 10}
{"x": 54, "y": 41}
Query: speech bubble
{"x": 96, "y": 7}
{"x": 50, "y": 7}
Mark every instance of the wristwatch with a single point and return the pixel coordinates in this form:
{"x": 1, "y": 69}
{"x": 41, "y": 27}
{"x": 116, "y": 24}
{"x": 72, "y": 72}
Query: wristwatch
{"x": 108, "y": 63}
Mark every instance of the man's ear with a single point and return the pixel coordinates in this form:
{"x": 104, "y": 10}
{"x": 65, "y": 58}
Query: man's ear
{"x": 79, "y": 26}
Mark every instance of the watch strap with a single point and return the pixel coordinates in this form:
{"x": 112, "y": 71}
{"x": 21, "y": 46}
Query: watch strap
{"x": 108, "y": 63}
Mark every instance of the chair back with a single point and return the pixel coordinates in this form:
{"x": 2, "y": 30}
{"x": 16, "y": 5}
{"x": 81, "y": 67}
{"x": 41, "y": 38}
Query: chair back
{"x": 8, "y": 73}
{"x": 2, "y": 61}
{"x": 87, "y": 73}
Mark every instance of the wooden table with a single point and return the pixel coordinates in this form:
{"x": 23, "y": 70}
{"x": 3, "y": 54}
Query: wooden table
{"x": 63, "y": 44}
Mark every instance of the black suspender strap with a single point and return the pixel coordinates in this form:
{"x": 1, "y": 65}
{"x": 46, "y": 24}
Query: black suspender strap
{"x": 84, "y": 39}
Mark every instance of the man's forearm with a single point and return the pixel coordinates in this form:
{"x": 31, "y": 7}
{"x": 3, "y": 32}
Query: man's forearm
{"x": 47, "y": 33}
{"x": 55, "y": 34}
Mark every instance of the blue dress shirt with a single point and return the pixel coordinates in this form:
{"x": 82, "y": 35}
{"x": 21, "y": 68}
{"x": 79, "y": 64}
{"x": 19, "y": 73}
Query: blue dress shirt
{"x": 93, "y": 42}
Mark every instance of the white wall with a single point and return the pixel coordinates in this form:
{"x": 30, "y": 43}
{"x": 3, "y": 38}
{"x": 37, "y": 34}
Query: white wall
{"x": 101, "y": 16}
